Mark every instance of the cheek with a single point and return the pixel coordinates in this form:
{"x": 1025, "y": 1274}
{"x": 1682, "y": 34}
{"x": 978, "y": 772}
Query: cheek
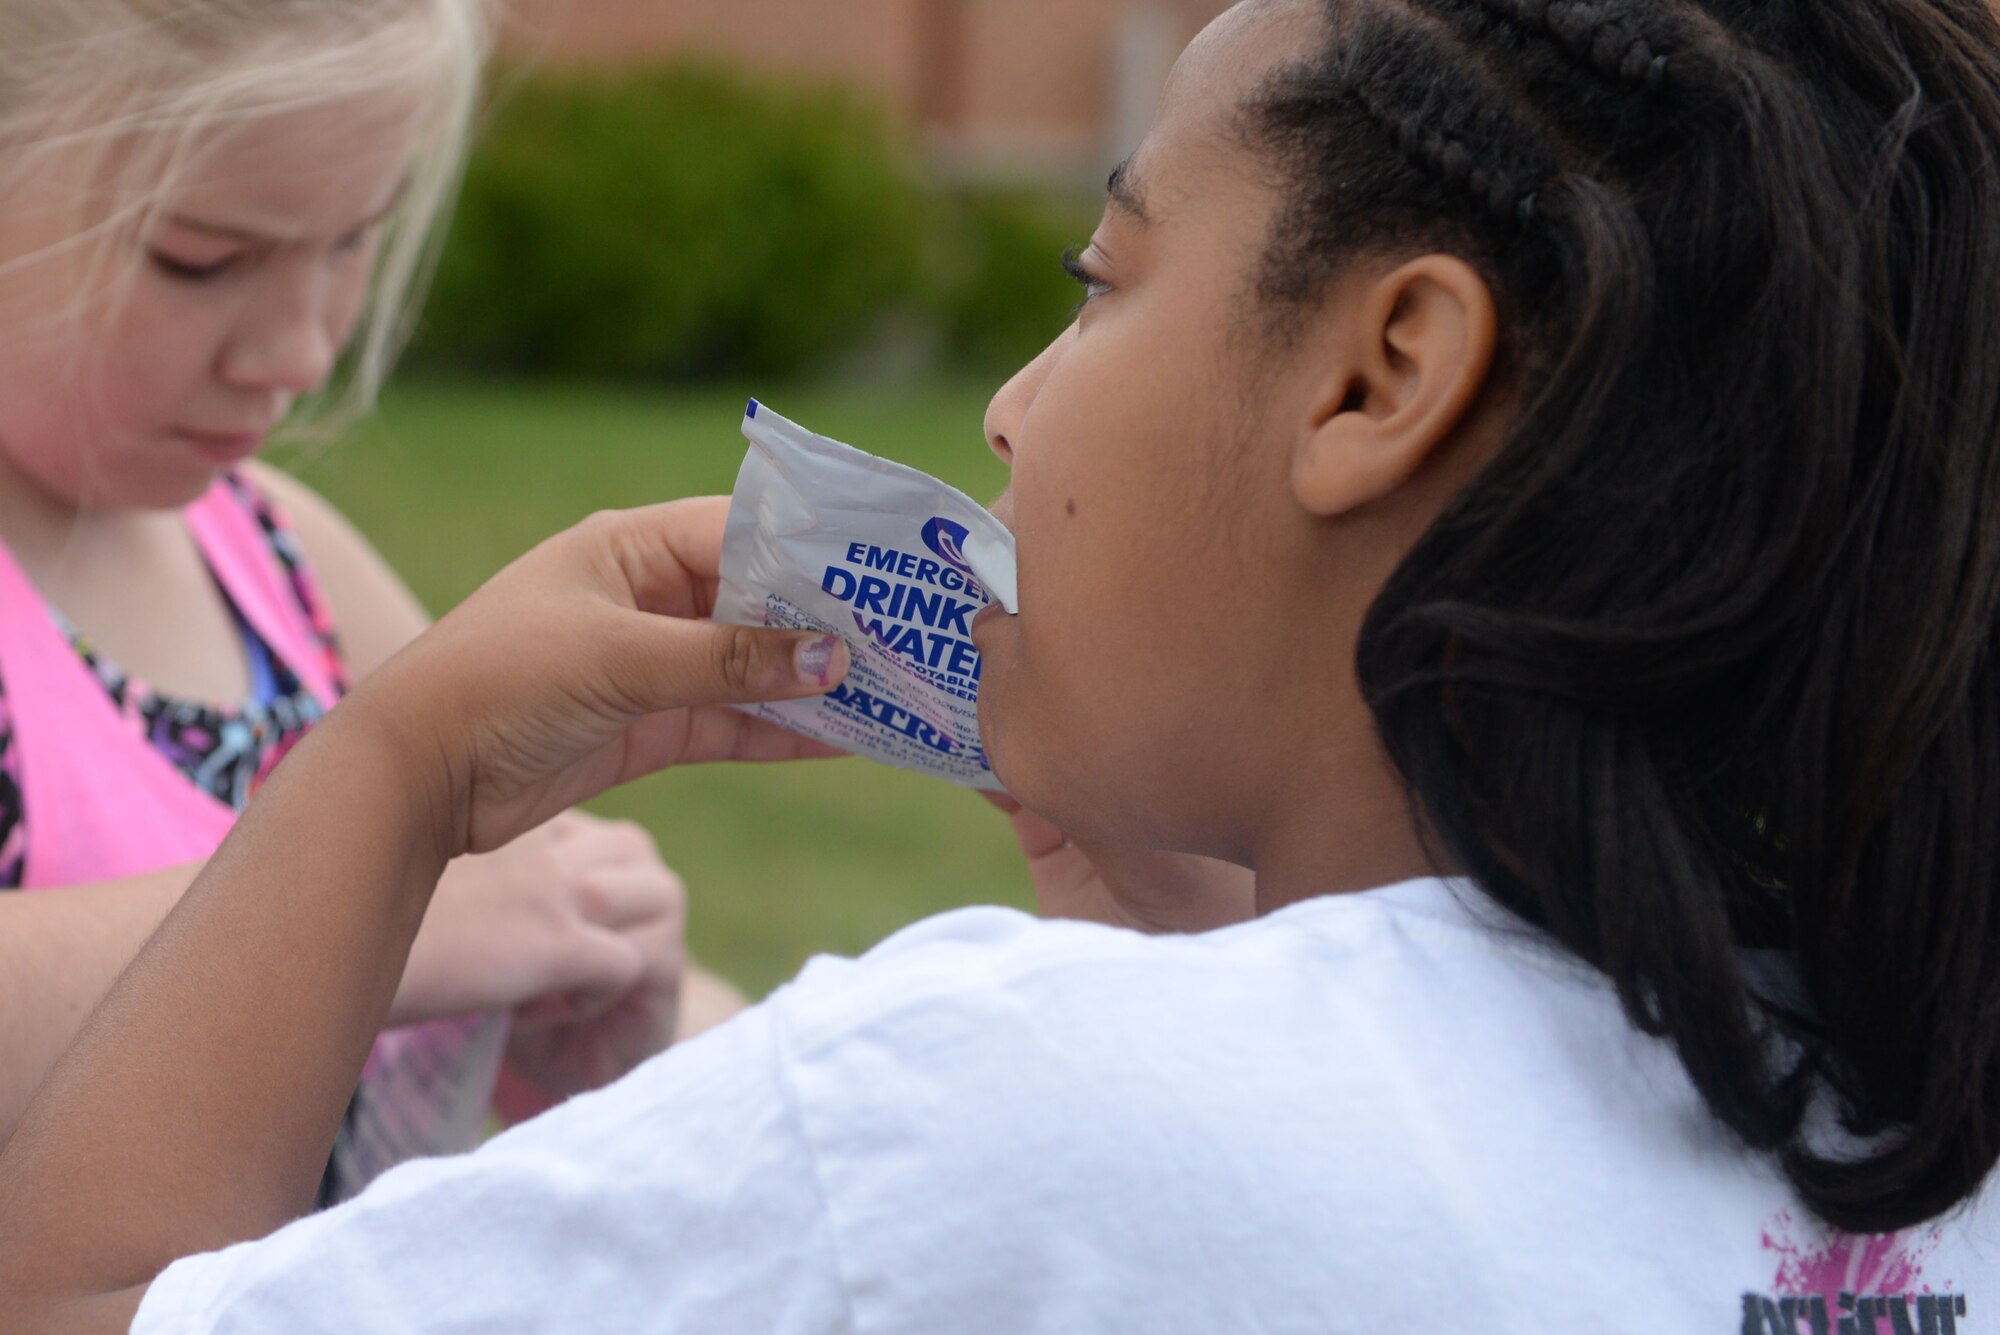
{"x": 1079, "y": 688}
{"x": 348, "y": 299}
{"x": 159, "y": 352}
{"x": 43, "y": 421}
{"x": 352, "y": 281}
{"x": 1108, "y": 487}
{"x": 81, "y": 406}
{"x": 57, "y": 399}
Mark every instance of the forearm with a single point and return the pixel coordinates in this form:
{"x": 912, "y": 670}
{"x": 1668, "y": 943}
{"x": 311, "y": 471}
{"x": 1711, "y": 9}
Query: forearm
{"x": 60, "y": 952}
{"x": 198, "y": 1105}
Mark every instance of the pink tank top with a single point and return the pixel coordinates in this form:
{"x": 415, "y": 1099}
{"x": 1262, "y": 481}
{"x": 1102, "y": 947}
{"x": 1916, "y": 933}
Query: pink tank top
{"x": 105, "y": 805}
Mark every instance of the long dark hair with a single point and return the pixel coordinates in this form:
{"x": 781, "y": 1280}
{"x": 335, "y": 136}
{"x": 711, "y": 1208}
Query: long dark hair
{"x": 1699, "y": 674}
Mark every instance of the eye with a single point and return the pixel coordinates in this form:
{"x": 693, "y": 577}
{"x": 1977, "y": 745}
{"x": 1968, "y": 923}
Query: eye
{"x": 1093, "y": 286}
{"x": 356, "y": 240}
{"x": 191, "y": 271}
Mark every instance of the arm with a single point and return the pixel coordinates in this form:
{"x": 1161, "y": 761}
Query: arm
{"x": 197, "y": 1107}
{"x": 498, "y": 938}
{"x": 552, "y": 1052}
{"x": 59, "y": 954}
{"x": 243, "y": 1080}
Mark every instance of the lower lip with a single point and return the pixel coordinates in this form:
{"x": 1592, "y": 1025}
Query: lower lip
{"x": 989, "y": 618}
{"x": 223, "y": 449}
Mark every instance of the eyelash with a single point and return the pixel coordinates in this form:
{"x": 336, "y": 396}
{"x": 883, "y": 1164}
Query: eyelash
{"x": 1093, "y": 286}
{"x": 195, "y": 273}
{"x": 190, "y": 273}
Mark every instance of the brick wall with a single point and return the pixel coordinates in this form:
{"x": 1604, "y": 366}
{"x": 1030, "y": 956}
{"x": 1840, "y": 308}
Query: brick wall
{"x": 1039, "y": 86}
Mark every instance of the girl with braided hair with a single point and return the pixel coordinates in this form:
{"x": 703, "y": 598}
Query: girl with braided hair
{"x": 1524, "y": 483}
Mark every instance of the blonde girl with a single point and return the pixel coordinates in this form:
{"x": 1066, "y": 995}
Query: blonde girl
{"x": 208, "y": 208}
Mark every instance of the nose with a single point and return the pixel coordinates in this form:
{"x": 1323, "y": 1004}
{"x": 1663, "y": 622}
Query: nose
{"x": 288, "y": 338}
{"x": 1009, "y": 407}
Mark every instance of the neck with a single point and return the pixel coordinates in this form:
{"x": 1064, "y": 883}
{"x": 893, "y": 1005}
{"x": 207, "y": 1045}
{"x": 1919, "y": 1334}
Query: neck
{"x": 1337, "y": 825}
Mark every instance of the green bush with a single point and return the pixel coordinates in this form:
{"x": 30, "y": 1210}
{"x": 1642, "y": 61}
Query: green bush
{"x": 687, "y": 222}
{"x": 676, "y": 222}
{"x": 999, "y": 293}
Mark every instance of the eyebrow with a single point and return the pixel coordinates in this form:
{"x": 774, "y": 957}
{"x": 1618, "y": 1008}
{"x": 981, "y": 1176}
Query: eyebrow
{"x": 249, "y": 237}
{"x": 217, "y": 230}
{"x": 1124, "y": 192}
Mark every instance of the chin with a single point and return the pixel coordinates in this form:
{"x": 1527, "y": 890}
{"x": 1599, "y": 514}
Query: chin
{"x": 162, "y": 494}
{"x": 1089, "y": 780}
{"x": 1090, "y": 807}
{"x": 128, "y": 483}
{"x": 1013, "y": 759}
{"x": 163, "y": 488}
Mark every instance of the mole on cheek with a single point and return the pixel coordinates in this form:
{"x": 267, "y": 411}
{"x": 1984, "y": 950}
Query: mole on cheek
{"x": 1071, "y": 507}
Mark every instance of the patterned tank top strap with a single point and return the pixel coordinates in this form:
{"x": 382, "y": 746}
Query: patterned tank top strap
{"x": 13, "y": 830}
{"x": 254, "y": 552}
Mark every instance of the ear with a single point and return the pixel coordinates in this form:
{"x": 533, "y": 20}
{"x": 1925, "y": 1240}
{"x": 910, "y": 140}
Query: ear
{"x": 1405, "y": 373}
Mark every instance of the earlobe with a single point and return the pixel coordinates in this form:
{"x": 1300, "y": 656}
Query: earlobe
{"x": 1415, "y": 360}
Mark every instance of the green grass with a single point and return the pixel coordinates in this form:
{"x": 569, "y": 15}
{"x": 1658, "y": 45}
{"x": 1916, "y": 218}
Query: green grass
{"x": 452, "y": 481}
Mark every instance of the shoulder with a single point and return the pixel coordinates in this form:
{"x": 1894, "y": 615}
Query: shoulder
{"x": 1007, "y": 1025}
{"x": 683, "y": 1196}
{"x": 1143, "y": 1103}
{"x": 962, "y": 964}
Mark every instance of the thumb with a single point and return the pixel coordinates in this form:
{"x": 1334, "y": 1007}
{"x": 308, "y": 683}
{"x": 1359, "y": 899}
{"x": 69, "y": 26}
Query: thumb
{"x": 676, "y": 663}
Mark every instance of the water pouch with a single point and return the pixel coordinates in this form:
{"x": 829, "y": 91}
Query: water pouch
{"x": 825, "y": 537}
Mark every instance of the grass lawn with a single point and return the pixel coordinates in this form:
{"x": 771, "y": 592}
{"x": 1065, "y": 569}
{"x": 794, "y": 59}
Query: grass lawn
{"x": 452, "y": 481}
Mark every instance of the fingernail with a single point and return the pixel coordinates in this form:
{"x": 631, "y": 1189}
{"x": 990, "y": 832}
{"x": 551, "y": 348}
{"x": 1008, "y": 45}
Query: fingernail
{"x": 813, "y": 660}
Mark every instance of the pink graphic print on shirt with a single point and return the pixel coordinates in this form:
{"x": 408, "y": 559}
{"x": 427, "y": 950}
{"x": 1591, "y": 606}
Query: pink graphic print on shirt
{"x": 1831, "y": 1283}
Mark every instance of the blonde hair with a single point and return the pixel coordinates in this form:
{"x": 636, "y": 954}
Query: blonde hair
{"x": 125, "y": 94}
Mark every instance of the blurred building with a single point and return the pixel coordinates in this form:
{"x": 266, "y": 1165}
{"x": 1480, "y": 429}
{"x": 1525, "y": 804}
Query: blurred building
{"x": 1054, "y": 89}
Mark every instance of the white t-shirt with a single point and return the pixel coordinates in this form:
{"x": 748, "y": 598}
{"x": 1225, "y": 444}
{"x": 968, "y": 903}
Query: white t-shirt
{"x": 1383, "y": 1112}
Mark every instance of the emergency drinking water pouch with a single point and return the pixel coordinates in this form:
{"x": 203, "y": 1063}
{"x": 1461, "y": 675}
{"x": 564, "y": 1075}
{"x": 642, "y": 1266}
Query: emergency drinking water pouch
{"x": 826, "y": 538}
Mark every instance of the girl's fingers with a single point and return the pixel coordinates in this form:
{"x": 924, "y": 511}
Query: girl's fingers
{"x": 549, "y": 685}
{"x": 670, "y": 555}
{"x": 599, "y": 968}
{"x": 661, "y": 741}
{"x": 1038, "y": 838}
{"x": 728, "y": 734}
{"x": 592, "y": 841}
{"x": 623, "y": 897}
{"x": 658, "y": 663}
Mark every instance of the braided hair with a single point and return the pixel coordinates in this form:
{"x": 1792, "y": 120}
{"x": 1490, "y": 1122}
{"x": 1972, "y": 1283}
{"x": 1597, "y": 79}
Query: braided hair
{"x": 1700, "y": 673}
{"x": 1610, "y": 38}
